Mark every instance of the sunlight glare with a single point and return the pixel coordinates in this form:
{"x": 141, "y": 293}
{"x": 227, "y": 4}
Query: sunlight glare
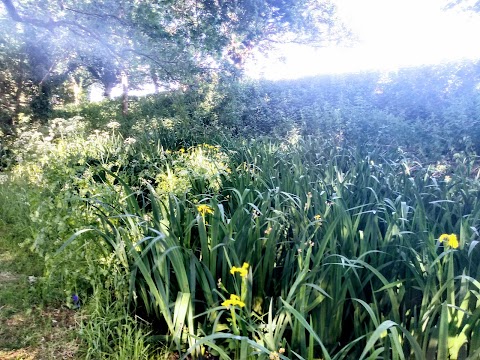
{"x": 391, "y": 34}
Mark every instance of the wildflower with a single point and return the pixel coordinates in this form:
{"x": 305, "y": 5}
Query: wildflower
{"x": 317, "y": 217}
{"x": 129, "y": 141}
{"x": 274, "y": 356}
{"x": 281, "y": 351}
{"x": 233, "y": 301}
{"x": 113, "y": 125}
{"x": 76, "y": 300}
{"x": 204, "y": 209}
{"x": 182, "y": 150}
{"x": 451, "y": 240}
{"x": 448, "y": 179}
{"x": 243, "y": 270}
{"x": 443, "y": 237}
{"x": 211, "y": 147}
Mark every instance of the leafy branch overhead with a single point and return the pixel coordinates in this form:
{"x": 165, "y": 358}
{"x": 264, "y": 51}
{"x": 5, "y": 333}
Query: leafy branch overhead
{"x": 161, "y": 41}
{"x": 168, "y": 31}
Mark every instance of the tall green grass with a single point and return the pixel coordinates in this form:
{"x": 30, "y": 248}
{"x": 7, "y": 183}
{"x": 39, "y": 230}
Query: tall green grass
{"x": 300, "y": 248}
{"x": 342, "y": 247}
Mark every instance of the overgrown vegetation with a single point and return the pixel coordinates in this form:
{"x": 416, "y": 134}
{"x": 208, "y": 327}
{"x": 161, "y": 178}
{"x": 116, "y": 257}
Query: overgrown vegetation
{"x": 209, "y": 226}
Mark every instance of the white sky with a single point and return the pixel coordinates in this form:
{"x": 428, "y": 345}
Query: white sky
{"x": 392, "y": 33}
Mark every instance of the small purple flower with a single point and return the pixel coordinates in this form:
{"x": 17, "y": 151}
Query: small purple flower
{"x": 76, "y": 300}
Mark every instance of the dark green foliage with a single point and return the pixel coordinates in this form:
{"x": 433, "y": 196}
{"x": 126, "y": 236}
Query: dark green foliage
{"x": 41, "y": 105}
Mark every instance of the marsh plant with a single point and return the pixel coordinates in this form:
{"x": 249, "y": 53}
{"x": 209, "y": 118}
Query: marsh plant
{"x": 286, "y": 248}
{"x": 303, "y": 250}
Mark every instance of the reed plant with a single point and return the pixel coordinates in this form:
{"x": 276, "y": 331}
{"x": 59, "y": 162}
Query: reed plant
{"x": 303, "y": 247}
{"x": 303, "y": 250}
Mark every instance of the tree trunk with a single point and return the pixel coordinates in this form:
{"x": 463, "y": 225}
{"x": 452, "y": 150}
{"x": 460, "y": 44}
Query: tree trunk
{"x": 41, "y": 104}
{"x": 125, "y": 93}
{"x": 19, "y": 94}
{"x": 108, "y": 91}
{"x": 18, "y": 102}
{"x": 155, "y": 80}
{"x": 77, "y": 90}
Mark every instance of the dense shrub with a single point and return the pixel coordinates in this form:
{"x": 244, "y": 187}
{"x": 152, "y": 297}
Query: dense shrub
{"x": 427, "y": 106}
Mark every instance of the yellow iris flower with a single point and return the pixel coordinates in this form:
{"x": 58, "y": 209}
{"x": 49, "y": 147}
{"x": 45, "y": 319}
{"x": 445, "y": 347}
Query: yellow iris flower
{"x": 451, "y": 240}
{"x": 233, "y": 301}
{"x": 243, "y": 270}
{"x": 204, "y": 209}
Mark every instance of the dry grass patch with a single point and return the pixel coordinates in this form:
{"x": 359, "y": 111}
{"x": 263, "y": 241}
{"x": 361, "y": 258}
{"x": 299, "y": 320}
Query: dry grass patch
{"x": 38, "y": 334}
{"x": 8, "y": 277}
{"x": 21, "y": 354}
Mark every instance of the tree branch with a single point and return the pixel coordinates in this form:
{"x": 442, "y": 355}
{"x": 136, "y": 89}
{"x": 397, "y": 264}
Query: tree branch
{"x": 13, "y": 13}
{"x": 82, "y": 30}
{"x": 98, "y": 16}
{"x": 52, "y": 24}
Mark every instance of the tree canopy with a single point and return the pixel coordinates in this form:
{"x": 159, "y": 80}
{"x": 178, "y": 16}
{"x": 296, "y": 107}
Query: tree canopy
{"x": 165, "y": 41}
